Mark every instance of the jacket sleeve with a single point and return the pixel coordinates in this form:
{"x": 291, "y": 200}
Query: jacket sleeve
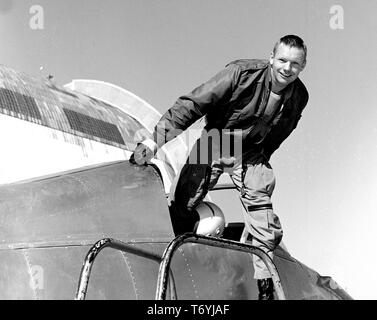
{"x": 191, "y": 107}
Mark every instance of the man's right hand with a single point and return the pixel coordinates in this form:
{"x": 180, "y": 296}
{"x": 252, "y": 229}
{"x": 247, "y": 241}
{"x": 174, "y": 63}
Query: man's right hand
{"x": 143, "y": 154}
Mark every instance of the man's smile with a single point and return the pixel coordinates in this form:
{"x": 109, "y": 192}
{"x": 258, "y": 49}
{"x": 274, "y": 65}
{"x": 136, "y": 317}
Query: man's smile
{"x": 286, "y": 76}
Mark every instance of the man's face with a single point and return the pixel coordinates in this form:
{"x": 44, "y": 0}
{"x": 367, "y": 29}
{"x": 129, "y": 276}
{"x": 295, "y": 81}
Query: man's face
{"x": 287, "y": 63}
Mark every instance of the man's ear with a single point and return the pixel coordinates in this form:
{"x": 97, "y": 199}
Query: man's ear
{"x": 272, "y": 58}
{"x": 303, "y": 65}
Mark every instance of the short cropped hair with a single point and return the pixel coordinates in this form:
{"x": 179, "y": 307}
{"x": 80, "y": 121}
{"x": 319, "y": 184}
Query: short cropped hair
{"x": 292, "y": 41}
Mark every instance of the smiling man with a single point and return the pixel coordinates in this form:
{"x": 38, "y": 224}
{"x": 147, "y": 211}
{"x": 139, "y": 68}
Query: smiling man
{"x": 287, "y": 62}
{"x": 251, "y": 103}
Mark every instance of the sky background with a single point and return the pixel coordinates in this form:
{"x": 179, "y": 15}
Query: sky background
{"x": 159, "y": 49}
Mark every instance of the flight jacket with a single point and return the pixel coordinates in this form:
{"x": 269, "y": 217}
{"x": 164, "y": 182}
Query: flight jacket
{"x": 232, "y": 99}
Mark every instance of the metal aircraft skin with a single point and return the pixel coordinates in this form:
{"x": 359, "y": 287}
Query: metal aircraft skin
{"x": 65, "y": 183}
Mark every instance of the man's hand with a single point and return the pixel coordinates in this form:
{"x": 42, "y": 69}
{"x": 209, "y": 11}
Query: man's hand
{"x": 144, "y": 153}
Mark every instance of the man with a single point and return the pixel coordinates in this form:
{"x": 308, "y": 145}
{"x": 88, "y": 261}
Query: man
{"x": 257, "y": 102}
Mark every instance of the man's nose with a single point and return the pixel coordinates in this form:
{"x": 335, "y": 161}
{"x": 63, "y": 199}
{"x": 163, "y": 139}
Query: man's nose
{"x": 287, "y": 66}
